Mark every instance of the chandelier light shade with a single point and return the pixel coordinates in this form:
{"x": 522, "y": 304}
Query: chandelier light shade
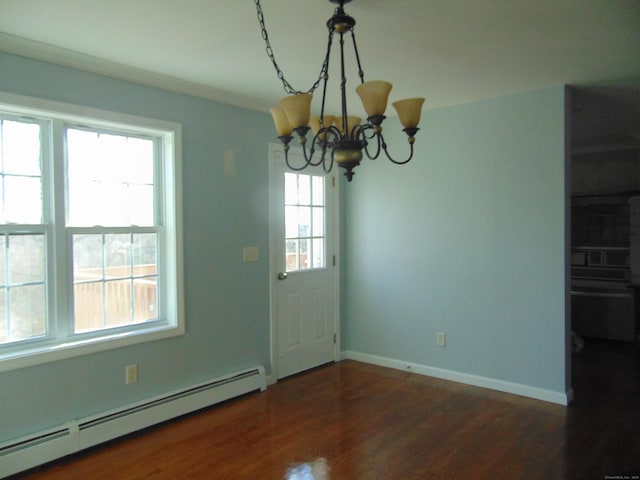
{"x": 409, "y": 111}
{"x": 374, "y": 96}
{"x": 340, "y": 138}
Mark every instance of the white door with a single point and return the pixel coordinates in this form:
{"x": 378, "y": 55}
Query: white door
{"x": 303, "y": 276}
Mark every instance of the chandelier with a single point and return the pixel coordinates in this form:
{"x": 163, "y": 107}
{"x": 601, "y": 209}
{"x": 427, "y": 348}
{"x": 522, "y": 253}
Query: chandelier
{"x": 340, "y": 138}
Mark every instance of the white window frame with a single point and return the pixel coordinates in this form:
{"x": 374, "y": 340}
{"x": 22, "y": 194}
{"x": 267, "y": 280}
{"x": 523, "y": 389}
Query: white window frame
{"x": 58, "y": 344}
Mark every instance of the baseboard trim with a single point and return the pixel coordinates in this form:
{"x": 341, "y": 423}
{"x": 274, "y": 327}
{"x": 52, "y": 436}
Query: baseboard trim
{"x": 468, "y": 379}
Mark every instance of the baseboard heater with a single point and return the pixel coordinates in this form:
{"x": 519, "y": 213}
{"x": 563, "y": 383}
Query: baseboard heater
{"x": 42, "y": 447}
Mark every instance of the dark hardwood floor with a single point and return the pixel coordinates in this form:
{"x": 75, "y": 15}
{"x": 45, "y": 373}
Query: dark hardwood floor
{"x": 375, "y": 423}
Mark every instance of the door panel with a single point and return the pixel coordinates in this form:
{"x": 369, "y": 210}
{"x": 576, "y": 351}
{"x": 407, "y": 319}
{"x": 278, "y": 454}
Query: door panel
{"x": 303, "y": 278}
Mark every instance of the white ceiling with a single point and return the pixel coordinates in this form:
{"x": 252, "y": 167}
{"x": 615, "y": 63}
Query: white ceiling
{"x": 449, "y": 51}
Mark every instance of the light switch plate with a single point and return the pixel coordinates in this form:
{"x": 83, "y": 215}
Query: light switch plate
{"x": 250, "y": 254}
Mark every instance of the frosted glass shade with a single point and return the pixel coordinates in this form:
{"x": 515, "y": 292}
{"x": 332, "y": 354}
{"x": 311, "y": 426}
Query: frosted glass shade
{"x": 315, "y": 122}
{"x": 352, "y": 121}
{"x": 280, "y": 120}
{"x": 297, "y": 108}
{"x": 374, "y": 96}
{"x": 409, "y": 111}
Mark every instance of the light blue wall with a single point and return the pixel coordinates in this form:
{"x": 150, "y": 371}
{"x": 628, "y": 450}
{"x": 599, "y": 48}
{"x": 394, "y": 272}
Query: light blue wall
{"x": 466, "y": 239}
{"x": 226, "y": 300}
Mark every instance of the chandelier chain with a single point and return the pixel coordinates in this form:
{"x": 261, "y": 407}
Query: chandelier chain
{"x": 288, "y": 88}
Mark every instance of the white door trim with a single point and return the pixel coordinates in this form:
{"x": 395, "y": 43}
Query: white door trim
{"x": 274, "y": 269}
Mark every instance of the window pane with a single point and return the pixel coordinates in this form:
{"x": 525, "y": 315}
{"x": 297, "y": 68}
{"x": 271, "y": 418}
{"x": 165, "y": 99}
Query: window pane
{"x": 318, "y": 253}
{"x": 304, "y": 189}
{"x": 27, "y": 312}
{"x": 318, "y": 221}
{"x": 26, "y": 259}
{"x": 139, "y": 157}
{"x": 4, "y": 325}
{"x": 142, "y": 197}
{"x": 20, "y": 173}
{"x": 305, "y": 252}
{"x": 304, "y": 221}
{"x": 20, "y": 148}
{"x": 117, "y": 250}
{"x": 145, "y": 299}
{"x": 88, "y": 307}
{"x": 292, "y": 248}
{"x": 145, "y": 252}
{"x": 110, "y": 179}
{"x": 291, "y": 222}
{"x": 3, "y": 275}
{"x": 22, "y": 199}
{"x": 318, "y": 190}
{"x": 119, "y": 301}
{"x": 290, "y": 189}
{"x": 87, "y": 257}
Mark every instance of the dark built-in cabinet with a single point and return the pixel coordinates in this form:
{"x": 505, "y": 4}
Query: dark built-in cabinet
{"x": 605, "y": 233}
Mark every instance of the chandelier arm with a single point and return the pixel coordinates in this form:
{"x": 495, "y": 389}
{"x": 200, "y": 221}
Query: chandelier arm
{"x": 366, "y": 137}
{"x": 323, "y": 149}
{"x": 324, "y": 163}
{"x": 288, "y": 88}
{"x": 355, "y": 49}
{"x": 312, "y": 151}
{"x": 292, "y": 167}
{"x": 331, "y": 135}
{"x": 302, "y": 139}
{"x": 397, "y": 162}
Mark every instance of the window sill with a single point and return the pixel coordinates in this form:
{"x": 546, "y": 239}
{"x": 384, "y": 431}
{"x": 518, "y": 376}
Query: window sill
{"x": 40, "y": 354}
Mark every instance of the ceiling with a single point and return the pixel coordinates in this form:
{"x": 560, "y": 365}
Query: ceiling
{"x": 449, "y": 51}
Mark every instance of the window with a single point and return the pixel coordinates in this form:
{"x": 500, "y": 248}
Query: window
{"x": 89, "y": 231}
{"x": 304, "y": 214}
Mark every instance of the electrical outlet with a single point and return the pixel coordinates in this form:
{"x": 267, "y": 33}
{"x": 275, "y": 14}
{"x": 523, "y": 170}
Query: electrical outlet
{"x": 441, "y": 340}
{"x": 131, "y": 374}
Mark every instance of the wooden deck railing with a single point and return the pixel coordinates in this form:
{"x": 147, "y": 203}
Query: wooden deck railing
{"x": 120, "y": 301}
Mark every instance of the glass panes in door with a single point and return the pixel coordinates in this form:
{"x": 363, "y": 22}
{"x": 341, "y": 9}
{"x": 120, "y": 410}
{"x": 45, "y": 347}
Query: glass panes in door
{"x": 304, "y": 208}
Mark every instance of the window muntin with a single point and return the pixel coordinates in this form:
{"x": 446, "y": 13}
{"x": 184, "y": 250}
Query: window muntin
{"x": 130, "y": 181}
{"x": 304, "y": 213}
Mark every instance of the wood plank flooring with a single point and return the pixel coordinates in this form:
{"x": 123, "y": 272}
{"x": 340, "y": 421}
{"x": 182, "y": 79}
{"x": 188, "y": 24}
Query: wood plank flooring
{"x": 375, "y": 423}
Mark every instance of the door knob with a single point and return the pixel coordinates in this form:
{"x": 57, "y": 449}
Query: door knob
{"x": 282, "y": 276}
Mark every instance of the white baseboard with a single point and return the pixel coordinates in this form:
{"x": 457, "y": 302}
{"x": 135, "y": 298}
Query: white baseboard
{"x": 468, "y": 379}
